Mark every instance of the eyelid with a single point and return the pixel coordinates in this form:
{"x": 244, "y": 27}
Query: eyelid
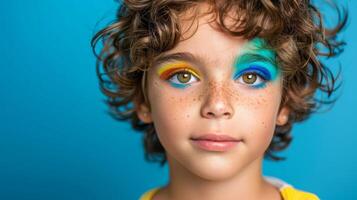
{"x": 171, "y": 68}
{"x": 262, "y": 71}
{"x": 176, "y": 70}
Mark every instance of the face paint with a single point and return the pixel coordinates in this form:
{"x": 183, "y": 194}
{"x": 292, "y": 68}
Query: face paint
{"x": 174, "y": 72}
{"x": 257, "y": 62}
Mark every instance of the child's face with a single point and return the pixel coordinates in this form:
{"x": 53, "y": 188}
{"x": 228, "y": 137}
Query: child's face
{"x": 230, "y": 87}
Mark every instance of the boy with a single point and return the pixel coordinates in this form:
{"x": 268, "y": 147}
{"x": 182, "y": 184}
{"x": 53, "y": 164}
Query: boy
{"x": 216, "y": 86}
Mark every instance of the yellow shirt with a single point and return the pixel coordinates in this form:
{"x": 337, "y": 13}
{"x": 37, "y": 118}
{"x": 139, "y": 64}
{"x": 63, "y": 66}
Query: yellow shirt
{"x": 287, "y": 191}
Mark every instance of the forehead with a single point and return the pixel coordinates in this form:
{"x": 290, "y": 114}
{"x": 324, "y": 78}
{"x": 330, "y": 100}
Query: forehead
{"x": 202, "y": 41}
{"x": 201, "y": 36}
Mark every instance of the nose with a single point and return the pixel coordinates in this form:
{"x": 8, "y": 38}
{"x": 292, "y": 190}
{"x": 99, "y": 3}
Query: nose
{"x": 217, "y": 103}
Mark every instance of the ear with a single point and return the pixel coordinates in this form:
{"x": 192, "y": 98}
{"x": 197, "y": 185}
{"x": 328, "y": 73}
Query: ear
{"x": 143, "y": 112}
{"x": 283, "y": 116}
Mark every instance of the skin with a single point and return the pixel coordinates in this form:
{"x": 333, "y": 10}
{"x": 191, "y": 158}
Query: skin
{"x": 216, "y": 99}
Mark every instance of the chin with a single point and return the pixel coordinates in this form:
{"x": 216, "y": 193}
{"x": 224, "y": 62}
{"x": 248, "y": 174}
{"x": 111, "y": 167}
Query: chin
{"x": 216, "y": 170}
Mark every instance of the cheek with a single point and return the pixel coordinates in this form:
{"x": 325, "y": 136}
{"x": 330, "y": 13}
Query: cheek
{"x": 172, "y": 112}
{"x": 258, "y": 112}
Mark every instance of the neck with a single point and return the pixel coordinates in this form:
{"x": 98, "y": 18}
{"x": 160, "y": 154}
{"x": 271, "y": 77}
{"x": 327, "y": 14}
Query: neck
{"x": 247, "y": 184}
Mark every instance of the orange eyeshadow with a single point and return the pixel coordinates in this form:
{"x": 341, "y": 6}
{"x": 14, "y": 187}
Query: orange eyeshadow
{"x": 165, "y": 71}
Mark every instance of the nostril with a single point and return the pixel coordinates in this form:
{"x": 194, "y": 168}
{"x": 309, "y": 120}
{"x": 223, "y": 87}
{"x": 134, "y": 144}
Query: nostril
{"x": 227, "y": 115}
{"x": 210, "y": 114}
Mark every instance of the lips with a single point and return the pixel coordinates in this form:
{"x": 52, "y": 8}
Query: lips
{"x": 214, "y": 137}
{"x": 214, "y": 142}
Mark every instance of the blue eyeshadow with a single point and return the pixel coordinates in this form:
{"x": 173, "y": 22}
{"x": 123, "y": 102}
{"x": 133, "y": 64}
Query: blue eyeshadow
{"x": 257, "y": 58}
{"x": 180, "y": 86}
{"x": 261, "y": 71}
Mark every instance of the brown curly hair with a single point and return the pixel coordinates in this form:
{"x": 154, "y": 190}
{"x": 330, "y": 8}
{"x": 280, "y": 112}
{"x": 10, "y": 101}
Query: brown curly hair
{"x": 145, "y": 29}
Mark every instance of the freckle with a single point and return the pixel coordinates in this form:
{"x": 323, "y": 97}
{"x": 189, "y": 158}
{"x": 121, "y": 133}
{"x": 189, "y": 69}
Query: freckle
{"x": 188, "y": 116}
{"x": 199, "y": 97}
{"x": 194, "y": 99}
{"x": 263, "y": 101}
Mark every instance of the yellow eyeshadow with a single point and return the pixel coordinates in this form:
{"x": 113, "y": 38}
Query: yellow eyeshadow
{"x": 168, "y": 68}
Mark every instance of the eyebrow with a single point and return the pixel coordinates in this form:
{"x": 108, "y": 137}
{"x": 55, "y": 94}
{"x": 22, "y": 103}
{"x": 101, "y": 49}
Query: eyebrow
{"x": 201, "y": 60}
{"x": 183, "y": 56}
{"x": 253, "y": 57}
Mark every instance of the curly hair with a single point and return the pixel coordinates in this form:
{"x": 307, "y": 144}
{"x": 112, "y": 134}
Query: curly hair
{"x": 145, "y": 29}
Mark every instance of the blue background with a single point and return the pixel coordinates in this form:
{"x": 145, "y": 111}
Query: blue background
{"x": 57, "y": 142}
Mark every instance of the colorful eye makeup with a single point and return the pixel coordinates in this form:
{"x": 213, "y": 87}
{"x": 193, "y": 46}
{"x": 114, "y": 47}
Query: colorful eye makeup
{"x": 254, "y": 75}
{"x": 178, "y": 73}
{"x": 256, "y": 65}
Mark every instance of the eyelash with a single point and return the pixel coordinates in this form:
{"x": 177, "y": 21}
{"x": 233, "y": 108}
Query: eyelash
{"x": 258, "y": 83}
{"x": 177, "y": 84}
{"x": 263, "y": 75}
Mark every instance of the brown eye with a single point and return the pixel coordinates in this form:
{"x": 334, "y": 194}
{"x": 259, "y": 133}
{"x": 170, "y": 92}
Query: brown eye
{"x": 249, "y": 78}
{"x": 183, "y": 77}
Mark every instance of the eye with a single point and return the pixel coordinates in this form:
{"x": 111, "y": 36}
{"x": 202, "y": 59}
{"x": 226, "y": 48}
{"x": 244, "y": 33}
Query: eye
{"x": 184, "y": 77}
{"x": 254, "y": 76}
{"x": 252, "y": 79}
